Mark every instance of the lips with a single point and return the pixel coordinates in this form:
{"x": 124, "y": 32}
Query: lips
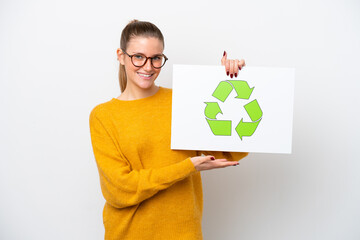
{"x": 145, "y": 76}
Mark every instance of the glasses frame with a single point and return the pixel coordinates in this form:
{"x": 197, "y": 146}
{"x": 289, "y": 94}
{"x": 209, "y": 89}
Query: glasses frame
{"x": 151, "y": 59}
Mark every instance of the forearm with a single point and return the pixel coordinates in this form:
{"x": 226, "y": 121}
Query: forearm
{"x": 127, "y": 188}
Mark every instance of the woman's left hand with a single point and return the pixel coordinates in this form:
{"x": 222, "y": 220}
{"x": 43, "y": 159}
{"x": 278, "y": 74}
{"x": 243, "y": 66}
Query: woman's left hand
{"x": 232, "y": 67}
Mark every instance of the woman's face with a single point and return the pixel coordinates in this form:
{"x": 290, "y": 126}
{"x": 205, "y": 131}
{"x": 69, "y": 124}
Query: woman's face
{"x": 141, "y": 77}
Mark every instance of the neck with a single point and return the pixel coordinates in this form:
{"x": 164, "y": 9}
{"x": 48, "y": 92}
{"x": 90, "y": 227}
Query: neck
{"x": 133, "y": 93}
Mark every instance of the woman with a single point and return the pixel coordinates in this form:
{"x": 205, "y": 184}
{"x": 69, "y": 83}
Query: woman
{"x": 151, "y": 191}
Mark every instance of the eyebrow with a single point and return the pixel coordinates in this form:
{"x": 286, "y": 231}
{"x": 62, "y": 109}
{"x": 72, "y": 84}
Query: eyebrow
{"x": 145, "y": 54}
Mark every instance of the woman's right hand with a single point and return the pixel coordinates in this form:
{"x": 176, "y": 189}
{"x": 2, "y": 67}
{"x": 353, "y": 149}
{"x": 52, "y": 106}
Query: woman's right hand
{"x": 209, "y": 162}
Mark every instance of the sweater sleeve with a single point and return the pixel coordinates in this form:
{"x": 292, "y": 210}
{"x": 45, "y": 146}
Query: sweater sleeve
{"x": 122, "y": 186}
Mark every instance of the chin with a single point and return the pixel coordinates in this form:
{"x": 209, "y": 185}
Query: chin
{"x": 146, "y": 85}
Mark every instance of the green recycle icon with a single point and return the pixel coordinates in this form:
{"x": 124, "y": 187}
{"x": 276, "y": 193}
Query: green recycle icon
{"x": 223, "y": 127}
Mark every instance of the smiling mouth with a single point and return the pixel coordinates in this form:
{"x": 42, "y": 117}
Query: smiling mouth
{"x": 145, "y": 75}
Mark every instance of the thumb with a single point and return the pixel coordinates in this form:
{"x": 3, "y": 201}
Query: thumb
{"x": 223, "y": 59}
{"x": 207, "y": 159}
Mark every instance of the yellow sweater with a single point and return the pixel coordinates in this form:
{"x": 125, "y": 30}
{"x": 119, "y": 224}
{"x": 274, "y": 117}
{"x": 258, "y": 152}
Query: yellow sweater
{"x": 151, "y": 191}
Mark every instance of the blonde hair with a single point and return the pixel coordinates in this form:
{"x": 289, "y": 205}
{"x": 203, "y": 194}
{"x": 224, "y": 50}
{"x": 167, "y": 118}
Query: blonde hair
{"x": 136, "y": 28}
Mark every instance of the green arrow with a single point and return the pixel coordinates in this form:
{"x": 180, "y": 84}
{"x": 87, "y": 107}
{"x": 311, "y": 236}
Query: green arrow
{"x": 242, "y": 89}
{"x": 222, "y": 91}
{"x": 212, "y": 109}
{"x": 246, "y": 128}
{"x": 220, "y": 127}
{"x": 254, "y": 111}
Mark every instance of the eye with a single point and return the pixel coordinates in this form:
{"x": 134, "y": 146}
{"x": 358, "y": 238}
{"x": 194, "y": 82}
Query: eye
{"x": 157, "y": 58}
{"x": 138, "y": 57}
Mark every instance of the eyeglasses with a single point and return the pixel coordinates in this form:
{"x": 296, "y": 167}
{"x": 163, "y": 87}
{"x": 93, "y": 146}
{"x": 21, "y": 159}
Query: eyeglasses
{"x": 139, "y": 60}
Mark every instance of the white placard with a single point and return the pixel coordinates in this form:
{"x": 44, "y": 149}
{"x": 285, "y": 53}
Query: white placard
{"x": 250, "y": 113}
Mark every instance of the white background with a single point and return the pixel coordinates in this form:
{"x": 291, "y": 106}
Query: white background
{"x": 57, "y": 61}
{"x": 193, "y": 85}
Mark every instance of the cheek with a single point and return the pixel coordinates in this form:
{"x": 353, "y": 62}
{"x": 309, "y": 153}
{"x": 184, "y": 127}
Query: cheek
{"x": 157, "y": 72}
{"x": 130, "y": 69}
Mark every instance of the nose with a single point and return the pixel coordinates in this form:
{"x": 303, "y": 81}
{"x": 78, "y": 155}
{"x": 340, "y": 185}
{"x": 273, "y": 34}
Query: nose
{"x": 148, "y": 66}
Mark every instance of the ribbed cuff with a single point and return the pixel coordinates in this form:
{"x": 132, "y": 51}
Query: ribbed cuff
{"x": 190, "y": 165}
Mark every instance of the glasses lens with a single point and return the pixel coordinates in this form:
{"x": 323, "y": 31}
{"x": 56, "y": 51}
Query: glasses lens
{"x": 138, "y": 60}
{"x": 158, "y": 61}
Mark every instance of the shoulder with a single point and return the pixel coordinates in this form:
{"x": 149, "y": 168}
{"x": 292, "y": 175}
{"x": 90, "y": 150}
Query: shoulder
{"x": 101, "y": 109}
{"x": 163, "y": 98}
{"x": 166, "y": 93}
{"x": 166, "y": 90}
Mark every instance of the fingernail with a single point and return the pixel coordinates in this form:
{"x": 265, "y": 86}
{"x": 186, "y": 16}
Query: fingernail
{"x": 231, "y": 75}
{"x": 212, "y": 158}
{"x": 239, "y": 68}
{"x": 227, "y": 73}
{"x": 224, "y": 53}
{"x": 235, "y": 74}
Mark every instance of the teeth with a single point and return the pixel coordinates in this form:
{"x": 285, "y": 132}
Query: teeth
{"x": 145, "y": 75}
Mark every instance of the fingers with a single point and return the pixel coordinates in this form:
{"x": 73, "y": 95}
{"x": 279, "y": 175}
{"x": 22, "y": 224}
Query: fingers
{"x": 226, "y": 63}
{"x": 217, "y": 163}
{"x": 209, "y": 162}
{"x": 236, "y": 66}
{"x": 232, "y": 67}
{"x": 241, "y": 64}
{"x": 223, "y": 59}
{"x": 221, "y": 160}
{"x": 209, "y": 158}
{"x": 226, "y": 163}
{"x": 232, "y": 72}
{"x": 203, "y": 159}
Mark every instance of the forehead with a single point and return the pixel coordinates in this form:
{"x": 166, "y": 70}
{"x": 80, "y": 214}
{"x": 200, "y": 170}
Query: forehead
{"x": 145, "y": 45}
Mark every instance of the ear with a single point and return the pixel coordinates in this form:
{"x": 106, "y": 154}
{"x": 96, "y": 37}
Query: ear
{"x": 120, "y": 56}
